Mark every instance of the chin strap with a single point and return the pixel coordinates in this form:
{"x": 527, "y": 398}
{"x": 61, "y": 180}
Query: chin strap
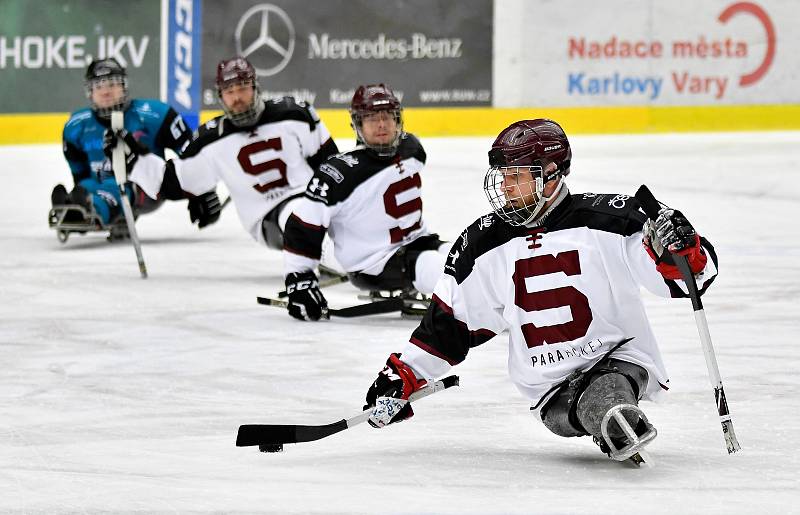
{"x": 559, "y": 195}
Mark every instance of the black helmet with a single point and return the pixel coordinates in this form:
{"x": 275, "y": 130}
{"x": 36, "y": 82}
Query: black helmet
{"x": 111, "y": 72}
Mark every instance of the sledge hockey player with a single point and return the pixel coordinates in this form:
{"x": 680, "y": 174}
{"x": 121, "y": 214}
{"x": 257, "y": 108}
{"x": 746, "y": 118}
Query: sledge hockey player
{"x": 94, "y": 202}
{"x": 561, "y": 273}
{"x": 264, "y": 151}
{"x": 369, "y": 202}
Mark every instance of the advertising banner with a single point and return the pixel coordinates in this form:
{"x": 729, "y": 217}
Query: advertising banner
{"x": 431, "y": 52}
{"x": 45, "y": 48}
{"x": 183, "y": 66}
{"x": 621, "y": 52}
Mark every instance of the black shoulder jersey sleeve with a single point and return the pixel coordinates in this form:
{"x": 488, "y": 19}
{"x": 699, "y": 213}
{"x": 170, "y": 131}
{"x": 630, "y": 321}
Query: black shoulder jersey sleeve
{"x": 208, "y": 133}
{"x": 616, "y": 213}
{"x": 274, "y": 111}
{"x": 173, "y": 133}
{"x": 484, "y": 234}
{"x": 287, "y": 108}
{"x": 410, "y": 147}
{"x": 336, "y": 179}
{"x": 610, "y": 212}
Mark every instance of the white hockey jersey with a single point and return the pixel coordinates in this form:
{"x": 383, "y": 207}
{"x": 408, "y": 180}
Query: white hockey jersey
{"x": 261, "y": 166}
{"x": 370, "y": 207}
{"x": 566, "y": 292}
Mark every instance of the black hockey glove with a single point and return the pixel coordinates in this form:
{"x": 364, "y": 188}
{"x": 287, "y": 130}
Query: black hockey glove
{"x": 306, "y": 302}
{"x": 671, "y": 233}
{"x": 388, "y": 395}
{"x": 132, "y": 152}
{"x": 204, "y": 209}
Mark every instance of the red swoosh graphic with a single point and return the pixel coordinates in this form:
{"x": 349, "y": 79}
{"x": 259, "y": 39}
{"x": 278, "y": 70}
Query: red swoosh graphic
{"x": 758, "y": 12}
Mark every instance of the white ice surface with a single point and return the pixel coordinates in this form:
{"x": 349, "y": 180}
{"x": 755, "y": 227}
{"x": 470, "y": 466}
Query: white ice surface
{"x": 121, "y": 394}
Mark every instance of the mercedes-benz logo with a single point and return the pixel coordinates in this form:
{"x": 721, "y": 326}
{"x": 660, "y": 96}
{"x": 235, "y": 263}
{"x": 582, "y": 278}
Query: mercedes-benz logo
{"x": 265, "y": 36}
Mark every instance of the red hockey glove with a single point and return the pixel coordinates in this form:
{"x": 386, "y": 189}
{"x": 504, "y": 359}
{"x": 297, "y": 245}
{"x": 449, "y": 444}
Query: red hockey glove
{"x": 388, "y": 395}
{"x": 671, "y": 233}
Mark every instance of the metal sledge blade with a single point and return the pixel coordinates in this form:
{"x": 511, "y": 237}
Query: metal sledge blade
{"x": 637, "y": 442}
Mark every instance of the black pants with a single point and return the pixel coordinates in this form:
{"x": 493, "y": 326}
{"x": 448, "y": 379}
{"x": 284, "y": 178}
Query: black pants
{"x": 273, "y": 235}
{"x": 399, "y": 273}
{"x": 559, "y": 414}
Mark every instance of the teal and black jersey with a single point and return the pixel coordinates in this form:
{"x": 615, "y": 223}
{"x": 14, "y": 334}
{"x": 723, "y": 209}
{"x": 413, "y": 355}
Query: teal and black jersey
{"x": 151, "y": 122}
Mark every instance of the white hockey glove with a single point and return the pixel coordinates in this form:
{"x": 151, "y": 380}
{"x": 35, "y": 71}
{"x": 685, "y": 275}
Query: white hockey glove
{"x": 388, "y": 395}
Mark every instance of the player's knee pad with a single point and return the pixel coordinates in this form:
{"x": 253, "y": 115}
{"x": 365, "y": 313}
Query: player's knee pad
{"x": 142, "y": 204}
{"x": 275, "y": 221}
{"x": 558, "y": 415}
{"x": 616, "y": 383}
{"x": 602, "y": 394}
{"x": 394, "y": 275}
{"x": 399, "y": 273}
{"x": 573, "y": 412}
{"x": 81, "y": 196}
{"x": 273, "y": 236}
{"x": 59, "y": 196}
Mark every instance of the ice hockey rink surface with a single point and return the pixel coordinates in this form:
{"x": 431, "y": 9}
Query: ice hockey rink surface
{"x": 119, "y": 394}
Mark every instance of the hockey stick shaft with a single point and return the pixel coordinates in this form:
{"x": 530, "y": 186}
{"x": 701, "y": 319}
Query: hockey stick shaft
{"x": 273, "y": 434}
{"x": 651, "y": 208}
{"x": 118, "y": 164}
{"x": 373, "y": 308}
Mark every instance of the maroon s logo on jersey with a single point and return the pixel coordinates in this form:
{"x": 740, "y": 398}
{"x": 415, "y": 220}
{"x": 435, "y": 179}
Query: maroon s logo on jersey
{"x": 566, "y": 296}
{"x": 245, "y": 158}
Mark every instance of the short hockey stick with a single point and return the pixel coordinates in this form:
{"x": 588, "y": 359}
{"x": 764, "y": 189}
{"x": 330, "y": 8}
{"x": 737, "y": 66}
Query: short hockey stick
{"x": 651, "y": 208}
{"x": 118, "y": 163}
{"x": 373, "y": 308}
{"x": 271, "y": 437}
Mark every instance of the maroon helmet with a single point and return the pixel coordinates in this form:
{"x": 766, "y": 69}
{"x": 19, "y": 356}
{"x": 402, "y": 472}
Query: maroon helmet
{"x": 525, "y": 156}
{"x": 238, "y": 70}
{"x": 374, "y": 98}
{"x": 529, "y": 142}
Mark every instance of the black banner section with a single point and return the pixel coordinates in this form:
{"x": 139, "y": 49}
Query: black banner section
{"x": 431, "y": 52}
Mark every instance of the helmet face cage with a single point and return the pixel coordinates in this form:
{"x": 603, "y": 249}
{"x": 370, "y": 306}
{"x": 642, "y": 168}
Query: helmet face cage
{"x": 251, "y": 114}
{"x": 382, "y": 149}
{"x": 106, "y": 72}
{"x": 238, "y": 71}
{"x": 524, "y": 158}
{"x": 515, "y": 192}
{"x": 371, "y": 99}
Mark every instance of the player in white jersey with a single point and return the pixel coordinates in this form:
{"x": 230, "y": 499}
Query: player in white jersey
{"x": 561, "y": 273}
{"x": 264, "y": 151}
{"x": 369, "y": 202}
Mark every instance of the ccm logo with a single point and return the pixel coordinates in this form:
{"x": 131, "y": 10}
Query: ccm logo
{"x": 183, "y": 52}
{"x": 553, "y": 147}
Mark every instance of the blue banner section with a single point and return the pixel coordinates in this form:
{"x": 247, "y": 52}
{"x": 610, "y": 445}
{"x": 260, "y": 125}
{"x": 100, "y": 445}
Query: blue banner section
{"x": 183, "y": 59}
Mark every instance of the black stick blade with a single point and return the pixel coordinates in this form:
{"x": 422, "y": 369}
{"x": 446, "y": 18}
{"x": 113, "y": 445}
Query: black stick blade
{"x": 273, "y": 434}
{"x": 373, "y": 308}
{"x": 255, "y": 434}
{"x": 450, "y": 381}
